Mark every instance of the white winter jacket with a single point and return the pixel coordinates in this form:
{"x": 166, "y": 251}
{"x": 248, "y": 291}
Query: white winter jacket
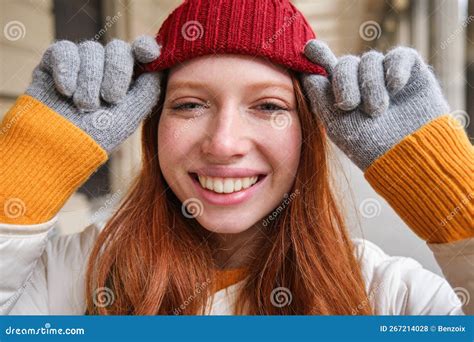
{"x": 43, "y": 274}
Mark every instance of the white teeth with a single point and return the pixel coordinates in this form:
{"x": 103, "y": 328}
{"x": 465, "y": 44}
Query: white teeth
{"x": 202, "y": 181}
{"x": 218, "y": 185}
{"x": 226, "y": 185}
{"x": 208, "y": 182}
{"x": 237, "y": 185}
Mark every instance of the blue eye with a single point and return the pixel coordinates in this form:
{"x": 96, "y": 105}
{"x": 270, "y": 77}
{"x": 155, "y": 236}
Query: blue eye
{"x": 271, "y": 107}
{"x": 187, "y": 106}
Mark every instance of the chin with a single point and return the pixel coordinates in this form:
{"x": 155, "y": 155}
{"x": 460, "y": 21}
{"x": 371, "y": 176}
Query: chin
{"x": 224, "y": 226}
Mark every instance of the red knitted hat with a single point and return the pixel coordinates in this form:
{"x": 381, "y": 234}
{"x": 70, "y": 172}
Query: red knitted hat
{"x": 273, "y": 29}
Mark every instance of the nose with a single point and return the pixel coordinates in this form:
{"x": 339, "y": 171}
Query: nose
{"x": 226, "y": 136}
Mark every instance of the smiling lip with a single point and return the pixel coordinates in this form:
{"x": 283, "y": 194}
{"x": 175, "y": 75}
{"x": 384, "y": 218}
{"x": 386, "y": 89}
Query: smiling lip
{"x": 216, "y": 171}
{"x": 230, "y": 198}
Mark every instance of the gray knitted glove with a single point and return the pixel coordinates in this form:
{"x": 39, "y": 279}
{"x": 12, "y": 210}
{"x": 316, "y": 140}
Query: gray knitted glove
{"x": 92, "y": 87}
{"x": 369, "y": 104}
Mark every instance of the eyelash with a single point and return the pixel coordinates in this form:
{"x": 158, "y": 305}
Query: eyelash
{"x": 181, "y": 107}
{"x": 276, "y": 108}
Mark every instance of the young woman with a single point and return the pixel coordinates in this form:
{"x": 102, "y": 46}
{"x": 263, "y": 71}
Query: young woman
{"x": 233, "y": 211}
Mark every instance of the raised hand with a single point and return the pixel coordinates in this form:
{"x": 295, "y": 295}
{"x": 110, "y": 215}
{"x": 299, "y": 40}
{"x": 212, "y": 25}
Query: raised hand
{"x": 92, "y": 87}
{"x": 372, "y": 102}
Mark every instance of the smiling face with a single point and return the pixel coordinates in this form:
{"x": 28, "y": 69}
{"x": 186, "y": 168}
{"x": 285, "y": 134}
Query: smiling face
{"x": 229, "y": 139}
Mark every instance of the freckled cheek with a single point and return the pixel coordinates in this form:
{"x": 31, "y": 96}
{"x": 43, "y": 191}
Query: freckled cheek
{"x": 173, "y": 143}
{"x": 178, "y": 142}
{"x": 284, "y": 145}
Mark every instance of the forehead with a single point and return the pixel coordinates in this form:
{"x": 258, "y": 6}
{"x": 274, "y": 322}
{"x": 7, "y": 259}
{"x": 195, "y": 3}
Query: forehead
{"x": 230, "y": 68}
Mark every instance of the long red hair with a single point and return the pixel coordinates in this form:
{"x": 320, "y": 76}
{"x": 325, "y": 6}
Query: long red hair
{"x": 143, "y": 255}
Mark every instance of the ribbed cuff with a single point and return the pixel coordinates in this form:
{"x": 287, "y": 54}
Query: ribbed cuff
{"x": 428, "y": 179}
{"x": 44, "y": 159}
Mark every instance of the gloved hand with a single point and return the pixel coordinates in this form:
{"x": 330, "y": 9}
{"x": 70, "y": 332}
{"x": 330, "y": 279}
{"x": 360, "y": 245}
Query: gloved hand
{"x": 91, "y": 86}
{"x": 371, "y": 103}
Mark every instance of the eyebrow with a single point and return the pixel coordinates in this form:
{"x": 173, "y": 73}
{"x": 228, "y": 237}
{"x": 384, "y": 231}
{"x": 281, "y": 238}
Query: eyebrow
{"x": 187, "y": 84}
{"x": 254, "y": 86}
{"x": 267, "y": 85}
